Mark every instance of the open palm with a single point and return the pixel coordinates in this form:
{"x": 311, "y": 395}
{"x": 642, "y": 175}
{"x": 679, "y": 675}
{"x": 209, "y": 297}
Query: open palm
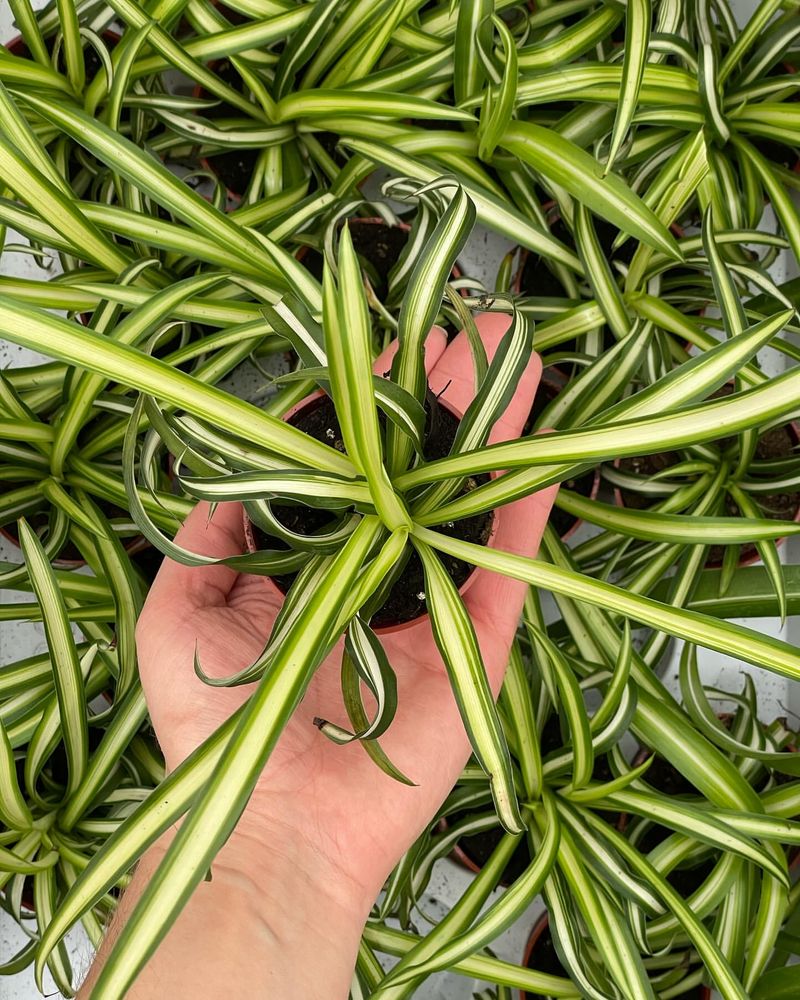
{"x": 332, "y": 798}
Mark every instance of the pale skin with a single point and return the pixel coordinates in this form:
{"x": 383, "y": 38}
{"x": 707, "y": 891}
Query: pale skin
{"x": 291, "y": 890}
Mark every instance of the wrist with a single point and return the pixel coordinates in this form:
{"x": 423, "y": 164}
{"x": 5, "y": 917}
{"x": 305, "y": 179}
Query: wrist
{"x": 270, "y": 908}
{"x": 280, "y": 865}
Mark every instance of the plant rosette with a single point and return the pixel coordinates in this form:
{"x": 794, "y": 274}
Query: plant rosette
{"x": 405, "y": 604}
{"x": 473, "y": 850}
{"x": 781, "y": 441}
{"x": 540, "y": 954}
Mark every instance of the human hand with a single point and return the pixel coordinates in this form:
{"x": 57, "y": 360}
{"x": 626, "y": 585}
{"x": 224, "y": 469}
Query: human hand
{"x": 325, "y": 811}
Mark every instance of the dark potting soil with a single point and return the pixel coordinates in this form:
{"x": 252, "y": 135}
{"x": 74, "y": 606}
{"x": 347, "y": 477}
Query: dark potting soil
{"x": 479, "y": 847}
{"x": 235, "y": 166}
{"x": 148, "y": 561}
{"x": 562, "y": 520}
{"x": 544, "y": 958}
{"x": 645, "y": 466}
{"x": 380, "y": 247}
{"x": 536, "y": 279}
{"x": 406, "y": 599}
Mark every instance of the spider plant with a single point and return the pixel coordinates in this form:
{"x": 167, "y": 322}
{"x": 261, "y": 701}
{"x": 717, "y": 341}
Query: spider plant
{"x": 373, "y": 495}
{"x": 165, "y": 293}
{"x": 76, "y": 756}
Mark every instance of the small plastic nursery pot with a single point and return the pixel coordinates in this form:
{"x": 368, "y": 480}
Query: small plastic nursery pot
{"x": 314, "y": 413}
{"x": 540, "y": 954}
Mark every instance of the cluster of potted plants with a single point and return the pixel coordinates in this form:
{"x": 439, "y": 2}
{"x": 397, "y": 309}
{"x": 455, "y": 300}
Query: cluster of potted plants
{"x": 290, "y": 189}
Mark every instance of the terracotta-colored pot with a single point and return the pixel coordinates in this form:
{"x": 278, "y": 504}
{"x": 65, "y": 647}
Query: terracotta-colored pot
{"x": 387, "y": 629}
{"x": 542, "y": 924}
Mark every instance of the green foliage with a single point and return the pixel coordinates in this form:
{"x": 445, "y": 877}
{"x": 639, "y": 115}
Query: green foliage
{"x": 177, "y": 231}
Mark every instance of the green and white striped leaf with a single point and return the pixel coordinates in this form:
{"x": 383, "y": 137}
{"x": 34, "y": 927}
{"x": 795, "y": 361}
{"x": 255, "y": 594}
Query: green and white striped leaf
{"x": 67, "y": 677}
{"x": 705, "y": 718}
{"x": 570, "y": 703}
{"x": 129, "y": 714}
{"x": 517, "y": 707}
{"x": 153, "y": 178}
{"x": 78, "y": 346}
{"x": 686, "y": 529}
{"x": 689, "y": 425}
{"x": 421, "y": 304}
{"x": 316, "y": 489}
{"x": 491, "y": 211}
{"x": 687, "y": 625}
{"x": 347, "y": 343}
{"x": 14, "y": 811}
{"x": 599, "y": 273}
{"x": 713, "y": 829}
{"x": 571, "y": 168}
{"x": 498, "y": 108}
{"x": 455, "y": 637}
{"x": 326, "y": 102}
{"x": 638, "y": 19}
{"x": 370, "y": 662}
